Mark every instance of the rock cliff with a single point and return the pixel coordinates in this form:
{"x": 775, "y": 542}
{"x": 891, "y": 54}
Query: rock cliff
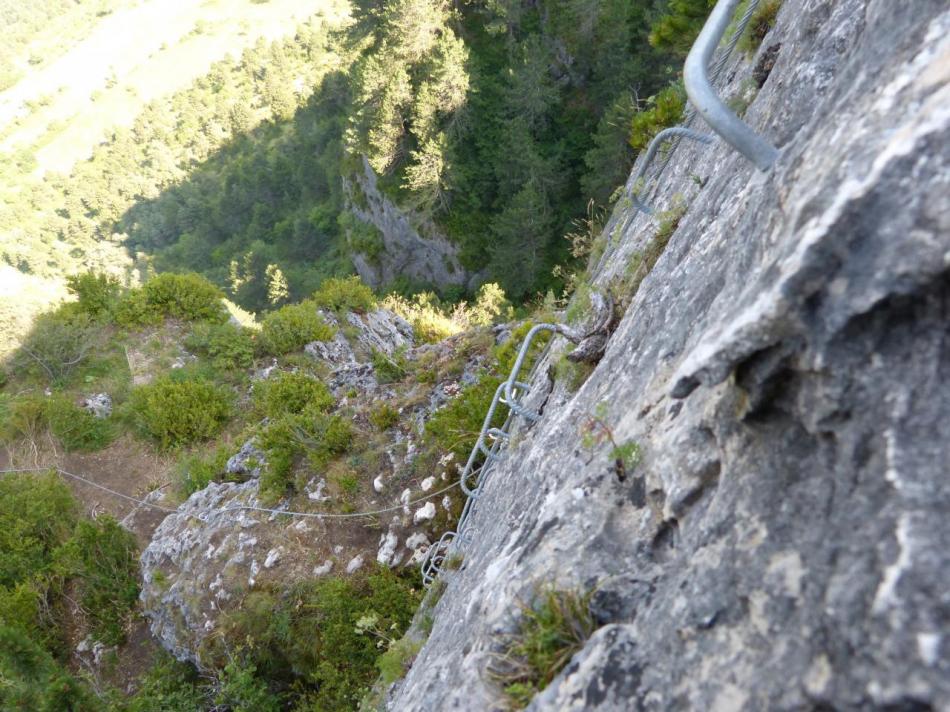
{"x": 409, "y": 246}
{"x": 784, "y": 368}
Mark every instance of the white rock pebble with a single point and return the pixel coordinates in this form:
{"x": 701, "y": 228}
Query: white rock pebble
{"x": 355, "y": 563}
{"x": 424, "y": 513}
{"x": 324, "y": 568}
{"x": 273, "y": 556}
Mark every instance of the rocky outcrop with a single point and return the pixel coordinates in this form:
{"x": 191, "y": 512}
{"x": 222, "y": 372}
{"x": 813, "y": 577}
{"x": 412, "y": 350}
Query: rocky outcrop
{"x": 411, "y": 246}
{"x": 783, "y": 368}
{"x": 223, "y": 541}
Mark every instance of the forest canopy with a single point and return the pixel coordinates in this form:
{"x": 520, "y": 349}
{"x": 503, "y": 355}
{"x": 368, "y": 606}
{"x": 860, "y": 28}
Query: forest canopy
{"x": 496, "y": 122}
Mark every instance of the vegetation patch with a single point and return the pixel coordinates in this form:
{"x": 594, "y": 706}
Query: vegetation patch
{"x": 321, "y": 639}
{"x": 228, "y": 347}
{"x": 76, "y": 428}
{"x": 293, "y": 326}
{"x": 58, "y": 344}
{"x": 760, "y": 24}
{"x": 45, "y": 549}
{"x": 290, "y": 393}
{"x": 551, "y": 632}
{"x": 384, "y": 416}
{"x": 189, "y": 297}
{"x": 180, "y": 411}
{"x": 343, "y": 295}
{"x": 662, "y": 110}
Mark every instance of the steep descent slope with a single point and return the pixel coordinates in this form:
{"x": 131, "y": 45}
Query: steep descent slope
{"x": 783, "y": 369}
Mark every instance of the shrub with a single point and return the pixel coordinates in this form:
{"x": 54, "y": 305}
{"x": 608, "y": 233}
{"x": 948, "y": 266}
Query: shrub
{"x": 308, "y": 639}
{"x": 23, "y": 418}
{"x": 196, "y": 472}
{"x": 390, "y": 368}
{"x": 433, "y": 321}
{"x": 33, "y": 680}
{"x": 292, "y": 327}
{"x": 241, "y": 691}
{"x": 104, "y": 556}
{"x": 456, "y": 426}
{"x": 290, "y": 393}
{"x": 97, "y": 294}
{"x": 58, "y": 343}
{"x": 664, "y": 109}
{"x": 76, "y": 428}
{"x": 37, "y": 515}
{"x": 551, "y": 631}
{"x": 384, "y": 416}
{"x": 169, "y": 686}
{"x": 348, "y": 294}
{"x": 178, "y": 412}
{"x": 395, "y": 662}
{"x": 228, "y": 346}
{"x": 183, "y": 296}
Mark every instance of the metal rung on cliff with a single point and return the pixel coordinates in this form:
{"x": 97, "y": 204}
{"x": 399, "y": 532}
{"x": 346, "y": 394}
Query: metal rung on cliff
{"x": 487, "y": 451}
{"x": 705, "y": 99}
{"x": 700, "y": 77}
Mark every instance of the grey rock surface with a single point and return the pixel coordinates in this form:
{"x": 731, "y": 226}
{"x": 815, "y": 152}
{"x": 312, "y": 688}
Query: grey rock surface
{"x": 784, "y": 369}
{"x": 99, "y": 404}
{"x": 249, "y": 460}
{"x": 411, "y": 247}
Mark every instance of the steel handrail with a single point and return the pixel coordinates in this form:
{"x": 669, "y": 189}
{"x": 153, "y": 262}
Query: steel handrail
{"x": 707, "y": 102}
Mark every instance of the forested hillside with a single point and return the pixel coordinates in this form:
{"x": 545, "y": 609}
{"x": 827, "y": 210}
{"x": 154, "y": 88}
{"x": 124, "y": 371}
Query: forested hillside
{"x": 499, "y": 122}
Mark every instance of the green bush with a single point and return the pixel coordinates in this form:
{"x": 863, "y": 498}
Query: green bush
{"x": 37, "y": 515}
{"x": 290, "y": 393}
{"x": 390, "y": 368}
{"x": 228, "y": 346}
{"x": 664, "y": 109}
{"x": 242, "y": 691}
{"x": 97, "y": 294}
{"x": 456, "y": 426}
{"x": 196, "y": 472}
{"x": 168, "y": 686}
{"x": 178, "y": 412}
{"x": 309, "y": 640}
{"x": 22, "y": 418}
{"x": 77, "y": 429}
{"x": 292, "y": 327}
{"x": 104, "y": 557}
{"x": 311, "y": 434}
{"x": 347, "y": 294}
{"x": 33, "y": 680}
{"x": 384, "y": 416}
{"x": 182, "y": 296}
{"x": 58, "y": 343}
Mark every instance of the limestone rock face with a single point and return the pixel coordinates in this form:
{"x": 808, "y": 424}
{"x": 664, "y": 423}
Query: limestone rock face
{"x": 784, "y": 369}
{"x": 408, "y": 250}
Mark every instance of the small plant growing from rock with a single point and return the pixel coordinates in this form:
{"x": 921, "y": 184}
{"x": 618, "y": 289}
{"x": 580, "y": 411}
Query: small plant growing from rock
{"x": 390, "y": 369}
{"x": 550, "y": 633}
{"x": 595, "y": 432}
{"x": 761, "y": 22}
{"x": 384, "y": 416}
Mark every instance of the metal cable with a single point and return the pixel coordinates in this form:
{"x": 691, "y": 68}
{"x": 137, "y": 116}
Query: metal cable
{"x": 315, "y": 515}
{"x": 140, "y": 502}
